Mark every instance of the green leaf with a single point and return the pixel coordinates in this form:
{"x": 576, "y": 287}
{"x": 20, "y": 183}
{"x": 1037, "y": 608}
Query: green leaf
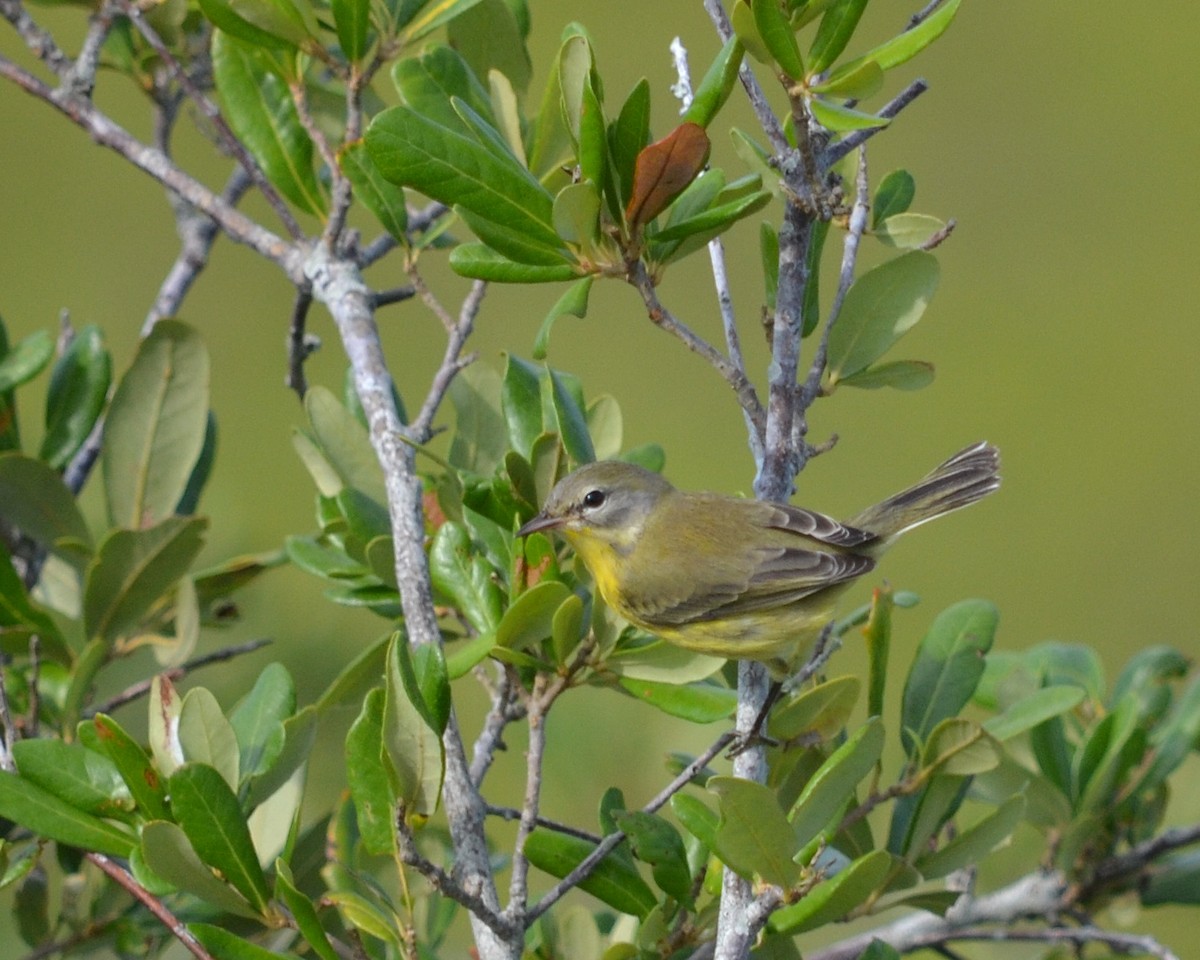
{"x": 34, "y": 498}
{"x": 893, "y": 196}
{"x": 446, "y": 165}
{"x": 76, "y": 396}
{"x": 464, "y": 577}
{"x": 529, "y": 619}
{"x": 489, "y": 38}
{"x": 909, "y": 231}
{"x": 20, "y": 618}
{"x": 207, "y": 810}
{"x": 224, "y": 945}
{"x": 833, "y": 899}
{"x": 897, "y": 374}
{"x": 382, "y": 197}
{"x": 837, "y": 27}
{"x": 303, "y": 912}
{"x": 593, "y": 138}
{"x": 261, "y": 112}
{"x": 628, "y": 134}
{"x": 433, "y": 15}
{"x": 754, "y": 837}
{"x": 345, "y": 446}
{"x": 694, "y": 702}
{"x": 480, "y": 262}
{"x": 664, "y": 662}
{"x": 571, "y": 421}
{"x": 86, "y": 780}
{"x": 959, "y": 747}
{"x": 223, "y": 15}
{"x": 908, "y": 44}
{"x": 167, "y": 851}
{"x": 367, "y": 776}
{"x": 573, "y": 302}
{"x": 289, "y": 22}
{"x": 877, "y": 632}
{"x": 777, "y": 36}
{"x": 717, "y": 84}
{"x": 412, "y": 749}
{"x": 822, "y": 709}
{"x": 1032, "y": 710}
{"x": 840, "y": 119}
{"x": 25, "y": 360}
{"x": 143, "y": 781}
{"x": 658, "y": 843}
{"x": 207, "y": 737}
{"x": 812, "y": 290}
{"x": 46, "y": 815}
{"x": 165, "y": 704}
{"x": 718, "y": 218}
{"x": 521, "y": 403}
{"x": 615, "y": 882}
{"x": 577, "y": 213}
{"x": 132, "y": 570}
{"x": 881, "y": 306}
{"x": 479, "y": 442}
{"x": 1174, "y": 878}
{"x": 745, "y": 29}
{"x": 431, "y": 693}
{"x": 352, "y": 19}
{"x": 972, "y": 846}
{"x": 431, "y": 82}
{"x": 697, "y": 817}
{"x": 863, "y": 80}
{"x": 257, "y": 722}
{"x": 567, "y": 628}
{"x": 155, "y": 427}
{"x": 825, "y": 794}
{"x": 947, "y": 667}
{"x": 299, "y": 735}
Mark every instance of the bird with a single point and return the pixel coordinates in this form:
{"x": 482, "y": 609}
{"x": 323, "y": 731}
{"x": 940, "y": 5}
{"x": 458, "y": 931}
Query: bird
{"x": 735, "y": 577}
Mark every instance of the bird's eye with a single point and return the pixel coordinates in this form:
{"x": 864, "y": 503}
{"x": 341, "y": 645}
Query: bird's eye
{"x": 593, "y": 498}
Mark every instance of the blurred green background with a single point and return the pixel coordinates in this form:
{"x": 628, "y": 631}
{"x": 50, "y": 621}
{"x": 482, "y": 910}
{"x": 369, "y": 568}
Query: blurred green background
{"x": 1061, "y": 138}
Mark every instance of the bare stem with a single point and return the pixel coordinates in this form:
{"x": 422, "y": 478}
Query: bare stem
{"x": 38, "y": 41}
{"x": 835, "y": 151}
{"x": 101, "y": 129}
{"x": 212, "y": 113}
{"x": 140, "y": 689}
{"x": 153, "y": 904}
{"x": 613, "y": 840}
{"x": 663, "y": 318}
{"x": 452, "y": 358}
{"x": 300, "y": 345}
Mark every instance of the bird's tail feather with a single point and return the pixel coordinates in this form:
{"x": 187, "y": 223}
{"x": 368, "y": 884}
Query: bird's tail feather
{"x": 969, "y": 475}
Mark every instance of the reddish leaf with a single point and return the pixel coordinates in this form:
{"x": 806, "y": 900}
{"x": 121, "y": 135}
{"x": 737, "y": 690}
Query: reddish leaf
{"x": 664, "y": 169}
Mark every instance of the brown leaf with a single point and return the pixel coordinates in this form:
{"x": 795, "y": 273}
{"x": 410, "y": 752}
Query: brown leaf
{"x": 664, "y": 169}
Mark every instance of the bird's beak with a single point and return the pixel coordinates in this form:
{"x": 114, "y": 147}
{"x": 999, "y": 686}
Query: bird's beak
{"x": 540, "y": 522}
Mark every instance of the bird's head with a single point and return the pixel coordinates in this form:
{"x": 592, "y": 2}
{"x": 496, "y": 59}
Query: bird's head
{"x": 606, "y": 501}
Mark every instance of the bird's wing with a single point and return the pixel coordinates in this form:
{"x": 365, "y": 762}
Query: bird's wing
{"x": 778, "y": 576}
{"x": 809, "y": 523}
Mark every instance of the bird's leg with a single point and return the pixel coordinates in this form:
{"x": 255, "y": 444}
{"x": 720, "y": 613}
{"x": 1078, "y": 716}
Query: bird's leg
{"x": 748, "y": 738}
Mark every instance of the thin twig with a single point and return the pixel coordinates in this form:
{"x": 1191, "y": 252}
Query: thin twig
{"x": 81, "y": 78}
{"x": 939, "y": 237}
{"x": 197, "y": 234}
{"x": 504, "y": 710}
{"x": 452, "y": 359}
{"x": 923, "y": 14}
{"x": 444, "y": 883}
{"x": 512, "y": 813}
{"x": 212, "y": 113}
{"x": 1078, "y": 936}
{"x": 104, "y": 131}
{"x": 153, "y": 904}
{"x": 539, "y": 707}
{"x": 385, "y": 298}
{"x": 858, "y": 224}
{"x": 661, "y": 317}
{"x": 839, "y": 148}
{"x": 37, "y": 40}
{"x": 7, "y": 761}
{"x": 613, "y": 840}
{"x": 300, "y": 345}
{"x": 754, "y": 91}
{"x": 140, "y": 689}
{"x": 33, "y": 716}
{"x": 1139, "y": 857}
